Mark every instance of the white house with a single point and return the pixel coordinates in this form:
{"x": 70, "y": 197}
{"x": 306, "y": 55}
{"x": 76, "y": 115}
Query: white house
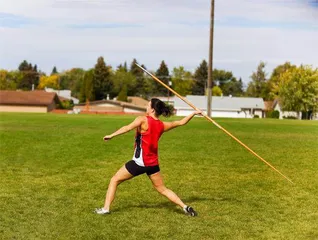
{"x": 228, "y": 107}
{"x": 63, "y": 93}
{"x": 284, "y": 114}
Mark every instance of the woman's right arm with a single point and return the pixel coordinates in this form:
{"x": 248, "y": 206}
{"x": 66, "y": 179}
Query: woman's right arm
{"x": 170, "y": 125}
{"x": 136, "y": 123}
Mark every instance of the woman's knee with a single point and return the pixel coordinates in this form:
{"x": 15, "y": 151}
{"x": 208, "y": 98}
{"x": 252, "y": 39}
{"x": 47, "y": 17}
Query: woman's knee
{"x": 115, "y": 180}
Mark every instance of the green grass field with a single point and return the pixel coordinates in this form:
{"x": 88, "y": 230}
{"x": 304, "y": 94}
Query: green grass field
{"x": 55, "y": 170}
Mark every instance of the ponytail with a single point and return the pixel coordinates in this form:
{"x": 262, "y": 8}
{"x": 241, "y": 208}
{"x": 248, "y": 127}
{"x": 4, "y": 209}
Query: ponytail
{"x": 161, "y": 108}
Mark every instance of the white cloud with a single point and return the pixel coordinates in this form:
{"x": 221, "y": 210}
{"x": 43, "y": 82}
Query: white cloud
{"x": 176, "y": 31}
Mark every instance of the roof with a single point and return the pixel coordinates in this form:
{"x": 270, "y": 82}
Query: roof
{"x": 268, "y": 105}
{"x": 221, "y": 103}
{"x": 138, "y": 101}
{"x": 117, "y": 103}
{"x": 32, "y": 98}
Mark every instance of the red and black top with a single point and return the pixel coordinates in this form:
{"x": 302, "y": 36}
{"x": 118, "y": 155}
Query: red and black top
{"x": 146, "y": 144}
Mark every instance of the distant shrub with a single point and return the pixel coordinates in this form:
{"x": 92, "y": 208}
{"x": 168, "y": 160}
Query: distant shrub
{"x": 290, "y": 117}
{"x": 272, "y": 114}
{"x": 255, "y": 116}
{"x": 66, "y": 104}
{"x": 122, "y": 96}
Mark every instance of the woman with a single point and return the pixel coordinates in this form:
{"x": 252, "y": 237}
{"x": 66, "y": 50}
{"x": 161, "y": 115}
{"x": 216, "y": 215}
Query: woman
{"x": 145, "y": 160}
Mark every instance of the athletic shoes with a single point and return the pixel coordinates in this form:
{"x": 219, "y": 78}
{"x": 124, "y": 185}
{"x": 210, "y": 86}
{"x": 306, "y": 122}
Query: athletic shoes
{"x": 101, "y": 211}
{"x": 190, "y": 211}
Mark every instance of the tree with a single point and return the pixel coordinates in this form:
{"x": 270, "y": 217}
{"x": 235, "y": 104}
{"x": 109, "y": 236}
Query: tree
{"x": 228, "y": 83}
{"x": 140, "y": 78}
{"x": 221, "y": 77}
{"x": 122, "y": 96}
{"x": 86, "y": 93}
{"x": 8, "y": 80}
{"x": 54, "y": 71}
{"x": 163, "y": 74}
{"x": 72, "y": 80}
{"x": 49, "y": 81}
{"x": 298, "y": 89}
{"x": 30, "y": 76}
{"x": 121, "y": 78}
{"x": 275, "y": 78}
{"x": 216, "y": 91}
{"x": 182, "y": 81}
{"x": 233, "y": 88}
{"x": 123, "y": 67}
{"x": 200, "y": 79}
{"x": 258, "y": 87}
{"x": 37, "y": 75}
{"x": 103, "y": 84}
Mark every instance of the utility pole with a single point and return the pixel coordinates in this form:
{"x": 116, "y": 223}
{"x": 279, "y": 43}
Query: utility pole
{"x": 210, "y": 68}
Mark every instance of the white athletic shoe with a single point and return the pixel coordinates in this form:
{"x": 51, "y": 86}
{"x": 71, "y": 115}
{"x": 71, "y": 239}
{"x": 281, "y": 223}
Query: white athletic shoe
{"x": 101, "y": 211}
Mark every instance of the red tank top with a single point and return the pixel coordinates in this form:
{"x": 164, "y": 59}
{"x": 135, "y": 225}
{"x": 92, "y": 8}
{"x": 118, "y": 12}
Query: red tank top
{"x": 146, "y": 144}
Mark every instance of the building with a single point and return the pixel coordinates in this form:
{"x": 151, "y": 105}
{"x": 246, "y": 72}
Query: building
{"x": 28, "y": 101}
{"x": 228, "y": 107}
{"x": 284, "y": 114}
{"x": 66, "y": 94}
{"x": 110, "y": 106}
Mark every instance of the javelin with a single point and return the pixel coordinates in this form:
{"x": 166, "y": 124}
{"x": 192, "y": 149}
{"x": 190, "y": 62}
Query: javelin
{"x": 216, "y": 124}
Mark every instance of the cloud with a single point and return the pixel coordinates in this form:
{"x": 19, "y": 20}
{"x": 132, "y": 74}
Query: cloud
{"x": 8, "y": 20}
{"x": 75, "y": 32}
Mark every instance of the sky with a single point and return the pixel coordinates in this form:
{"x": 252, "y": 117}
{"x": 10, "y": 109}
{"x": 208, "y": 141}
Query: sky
{"x": 74, "y": 33}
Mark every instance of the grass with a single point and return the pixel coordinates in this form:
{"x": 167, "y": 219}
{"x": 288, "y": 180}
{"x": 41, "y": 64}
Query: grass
{"x": 55, "y": 170}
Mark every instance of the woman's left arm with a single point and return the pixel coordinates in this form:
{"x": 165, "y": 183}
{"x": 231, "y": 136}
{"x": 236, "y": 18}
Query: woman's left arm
{"x": 136, "y": 123}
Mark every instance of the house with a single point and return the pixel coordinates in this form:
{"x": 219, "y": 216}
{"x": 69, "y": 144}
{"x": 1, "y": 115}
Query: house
{"x": 28, "y": 101}
{"x": 110, "y": 106}
{"x": 66, "y": 94}
{"x": 228, "y": 107}
{"x": 284, "y": 114}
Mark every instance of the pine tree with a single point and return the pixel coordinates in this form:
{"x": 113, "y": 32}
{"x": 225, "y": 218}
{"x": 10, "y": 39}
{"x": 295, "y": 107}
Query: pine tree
{"x": 259, "y": 86}
{"x": 54, "y": 71}
{"x": 30, "y": 76}
{"x": 163, "y": 74}
{"x": 103, "y": 84}
{"x": 122, "y": 67}
{"x": 200, "y": 79}
{"x": 36, "y": 76}
{"x": 140, "y": 79}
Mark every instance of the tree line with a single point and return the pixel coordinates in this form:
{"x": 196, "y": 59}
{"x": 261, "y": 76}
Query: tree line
{"x": 295, "y": 86}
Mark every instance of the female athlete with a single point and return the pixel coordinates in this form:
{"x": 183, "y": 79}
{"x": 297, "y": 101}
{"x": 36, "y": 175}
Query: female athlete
{"x": 145, "y": 159}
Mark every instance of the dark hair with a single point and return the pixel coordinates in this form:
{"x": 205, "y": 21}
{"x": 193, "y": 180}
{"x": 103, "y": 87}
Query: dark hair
{"x": 161, "y": 108}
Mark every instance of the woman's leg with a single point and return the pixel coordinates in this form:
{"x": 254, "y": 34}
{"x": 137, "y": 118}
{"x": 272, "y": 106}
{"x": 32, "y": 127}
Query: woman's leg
{"x": 121, "y": 176}
{"x": 158, "y": 184}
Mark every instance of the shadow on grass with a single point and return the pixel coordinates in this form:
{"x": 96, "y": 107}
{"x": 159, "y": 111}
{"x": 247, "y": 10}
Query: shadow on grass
{"x": 171, "y": 206}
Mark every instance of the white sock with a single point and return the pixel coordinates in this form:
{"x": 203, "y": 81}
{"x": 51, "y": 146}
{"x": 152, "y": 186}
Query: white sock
{"x": 185, "y": 208}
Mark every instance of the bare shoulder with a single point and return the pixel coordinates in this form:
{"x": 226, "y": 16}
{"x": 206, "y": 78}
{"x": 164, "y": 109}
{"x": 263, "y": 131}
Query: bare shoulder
{"x": 141, "y": 118}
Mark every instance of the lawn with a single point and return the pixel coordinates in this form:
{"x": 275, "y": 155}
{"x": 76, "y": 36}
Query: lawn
{"x": 55, "y": 170}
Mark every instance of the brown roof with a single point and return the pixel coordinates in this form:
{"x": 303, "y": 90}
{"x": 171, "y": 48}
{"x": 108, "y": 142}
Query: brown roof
{"x": 33, "y": 98}
{"x": 138, "y": 101}
{"x": 117, "y": 103}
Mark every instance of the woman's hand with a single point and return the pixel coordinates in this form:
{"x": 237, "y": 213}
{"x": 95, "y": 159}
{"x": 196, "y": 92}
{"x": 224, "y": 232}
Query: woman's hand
{"x": 198, "y": 112}
{"x": 107, "y": 138}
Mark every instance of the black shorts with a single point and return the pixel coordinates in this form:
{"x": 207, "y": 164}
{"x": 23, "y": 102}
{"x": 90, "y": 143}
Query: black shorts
{"x": 134, "y": 169}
